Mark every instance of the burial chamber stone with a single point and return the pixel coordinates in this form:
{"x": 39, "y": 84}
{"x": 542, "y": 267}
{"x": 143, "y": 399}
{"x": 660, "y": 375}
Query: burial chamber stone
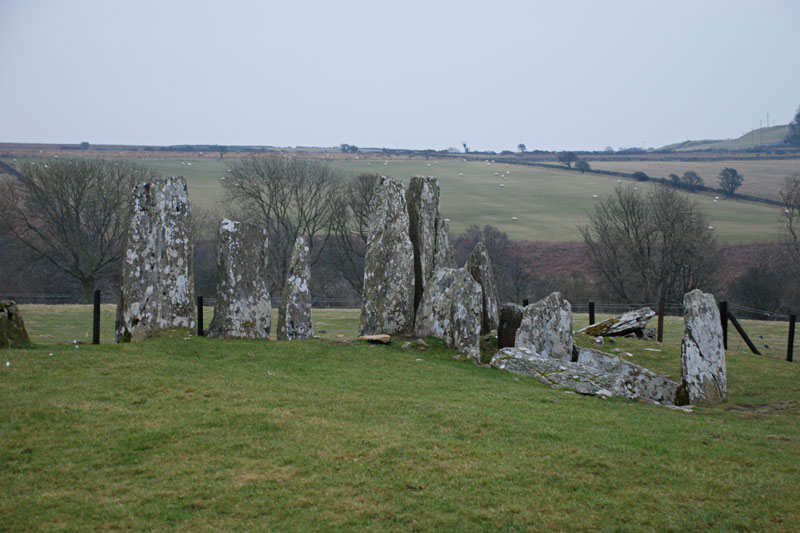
{"x": 546, "y": 328}
{"x": 480, "y": 267}
{"x": 12, "y": 328}
{"x": 451, "y": 310}
{"x": 387, "y": 299}
{"x": 157, "y": 283}
{"x": 703, "y": 374}
{"x": 630, "y": 322}
{"x": 443, "y": 255}
{"x": 242, "y": 308}
{"x": 294, "y": 315}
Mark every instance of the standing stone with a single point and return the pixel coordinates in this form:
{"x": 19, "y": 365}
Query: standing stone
{"x": 12, "y": 328}
{"x": 294, "y": 315}
{"x": 703, "y": 376}
{"x": 157, "y": 285}
{"x": 451, "y": 310}
{"x": 422, "y": 198}
{"x": 480, "y": 266}
{"x": 443, "y": 256}
{"x": 546, "y": 328}
{"x": 508, "y": 323}
{"x": 387, "y": 300}
{"x": 242, "y": 309}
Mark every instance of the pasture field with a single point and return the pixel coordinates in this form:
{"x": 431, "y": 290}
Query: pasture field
{"x": 757, "y": 137}
{"x": 549, "y": 204}
{"x": 761, "y": 178}
{"x": 189, "y": 433}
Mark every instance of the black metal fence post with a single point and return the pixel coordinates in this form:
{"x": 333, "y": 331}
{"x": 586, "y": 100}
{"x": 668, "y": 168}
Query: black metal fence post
{"x": 96, "y": 318}
{"x": 200, "y": 316}
{"x": 723, "y": 318}
{"x": 591, "y": 313}
{"x": 790, "y": 345}
{"x": 660, "y": 320}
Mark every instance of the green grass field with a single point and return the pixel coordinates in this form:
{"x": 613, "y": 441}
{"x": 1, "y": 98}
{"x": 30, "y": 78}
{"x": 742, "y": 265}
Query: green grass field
{"x": 757, "y": 137}
{"x": 549, "y": 204}
{"x": 190, "y": 433}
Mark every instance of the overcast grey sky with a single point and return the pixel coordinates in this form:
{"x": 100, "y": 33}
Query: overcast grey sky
{"x": 414, "y": 74}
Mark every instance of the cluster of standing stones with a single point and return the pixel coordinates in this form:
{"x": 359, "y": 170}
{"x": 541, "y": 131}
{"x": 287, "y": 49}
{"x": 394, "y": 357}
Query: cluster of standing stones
{"x": 157, "y": 284}
{"x": 411, "y": 287}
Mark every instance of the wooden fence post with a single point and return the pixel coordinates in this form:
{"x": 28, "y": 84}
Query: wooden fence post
{"x": 591, "y": 313}
{"x": 741, "y": 331}
{"x": 200, "y": 316}
{"x": 96, "y": 318}
{"x": 660, "y": 320}
{"x": 525, "y": 302}
{"x": 790, "y": 346}
{"x": 723, "y": 317}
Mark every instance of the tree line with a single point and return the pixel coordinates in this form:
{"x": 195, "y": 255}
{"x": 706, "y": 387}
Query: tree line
{"x": 64, "y": 224}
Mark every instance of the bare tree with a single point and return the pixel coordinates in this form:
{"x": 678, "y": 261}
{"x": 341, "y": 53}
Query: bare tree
{"x": 661, "y": 246}
{"x": 730, "y": 180}
{"x": 790, "y": 194}
{"x": 289, "y": 197}
{"x": 350, "y": 225}
{"x": 73, "y": 214}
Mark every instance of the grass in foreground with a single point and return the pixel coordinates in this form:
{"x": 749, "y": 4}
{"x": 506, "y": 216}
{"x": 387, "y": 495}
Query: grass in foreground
{"x": 335, "y": 434}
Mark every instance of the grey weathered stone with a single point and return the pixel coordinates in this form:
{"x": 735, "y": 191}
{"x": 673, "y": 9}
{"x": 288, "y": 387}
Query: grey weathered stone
{"x": 480, "y": 267}
{"x": 508, "y": 323}
{"x": 443, "y": 256}
{"x": 12, "y": 328}
{"x": 294, "y": 315}
{"x": 594, "y": 373}
{"x": 422, "y": 199}
{"x": 546, "y": 328}
{"x": 451, "y": 310}
{"x": 242, "y": 308}
{"x": 631, "y": 322}
{"x": 387, "y": 299}
{"x": 703, "y": 375}
{"x": 157, "y": 285}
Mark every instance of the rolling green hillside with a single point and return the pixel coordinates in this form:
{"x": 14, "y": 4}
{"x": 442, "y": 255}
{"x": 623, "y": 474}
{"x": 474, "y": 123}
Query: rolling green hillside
{"x": 548, "y": 204}
{"x": 751, "y": 139}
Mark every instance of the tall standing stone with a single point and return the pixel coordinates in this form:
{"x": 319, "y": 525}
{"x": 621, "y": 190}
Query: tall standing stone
{"x": 703, "y": 377}
{"x": 443, "y": 255}
{"x": 451, "y": 310}
{"x": 242, "y": 308}
{"x": 480, "y": 266}
{"x": 422, "y": 198}
{"x": 294, "y": 315}
{"x": 157, "y": 285}
{"x": 546, "y": 328}
{"x": 387, "y": 300}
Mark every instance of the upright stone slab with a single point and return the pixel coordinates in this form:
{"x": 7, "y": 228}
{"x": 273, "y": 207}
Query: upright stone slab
{"x": 294, "y": 315}
{"x": 480, "y": 266}
{"x": 387, "y": 300}
{"x": 12, "y": 328}
{"x": 443, "y": 256}
{"x": 508, "y": 324}
{"x": 157, "y": 285}
{"x": 422, "y": 198}
{"x": 242, "y": 308}
{"x": 451, "y": 310}
{"x": 546, "y": 328}
{"x": 703, "y": 377}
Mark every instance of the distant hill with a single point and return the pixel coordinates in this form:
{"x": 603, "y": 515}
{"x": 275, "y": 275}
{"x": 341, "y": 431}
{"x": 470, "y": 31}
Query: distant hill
{"x": 758, "y": 137}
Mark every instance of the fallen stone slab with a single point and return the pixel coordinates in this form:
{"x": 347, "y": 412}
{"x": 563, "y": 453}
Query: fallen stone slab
{"x": 631, "y": 322}
{"x": 12, "y": 328}
{"x": 379, "y": 338}
{"x": 594, "y": 373}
